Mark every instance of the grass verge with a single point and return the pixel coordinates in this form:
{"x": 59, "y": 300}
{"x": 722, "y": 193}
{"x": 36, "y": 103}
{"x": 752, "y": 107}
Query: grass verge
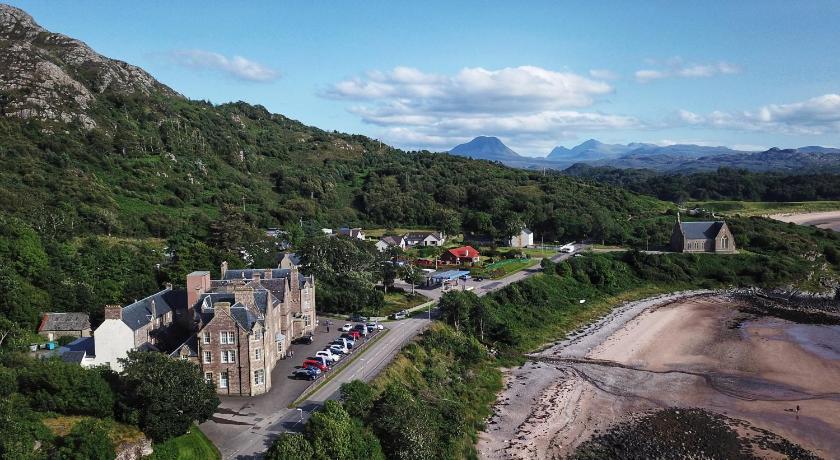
{"x": 191, "y": 446}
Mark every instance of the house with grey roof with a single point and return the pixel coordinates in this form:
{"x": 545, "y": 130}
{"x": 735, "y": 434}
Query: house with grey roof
{"x": 707, "y": 236}
{"x": 390, "y": 242}
{"x": 55, "y": 325}
{"x": 145, "y": 324}
{"x": 356, "y": 233}
{"x": 424, "y": 239}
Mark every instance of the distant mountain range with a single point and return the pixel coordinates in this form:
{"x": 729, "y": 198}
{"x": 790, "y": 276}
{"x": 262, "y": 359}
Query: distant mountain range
{"x": 670, "y": 158}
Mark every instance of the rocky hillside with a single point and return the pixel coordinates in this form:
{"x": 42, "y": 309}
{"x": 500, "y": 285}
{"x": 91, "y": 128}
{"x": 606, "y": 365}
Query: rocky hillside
{"x": 52, "y": 77}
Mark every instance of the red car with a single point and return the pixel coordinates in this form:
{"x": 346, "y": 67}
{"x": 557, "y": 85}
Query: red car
{"x": 355, "y": 334}
{"x": 316, "y": 364}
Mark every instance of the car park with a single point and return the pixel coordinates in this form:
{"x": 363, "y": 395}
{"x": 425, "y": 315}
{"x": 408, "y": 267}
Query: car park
{"x": 303, "y": 374}
{"x": 347, "y": 327}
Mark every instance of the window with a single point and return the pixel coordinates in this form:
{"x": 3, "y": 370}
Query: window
{"x": 206, "y": 336}
{"x": 208, "y": 377}
{"x": 259, "y": 377}
{"x": 724, "y": 242}
{"x": 228, "y": 356}
{"x": 223, "y": 380}
{"x": 208, "y": 357}
{"x": 257, "y": 335}
{"x": 227, "y": 338}
{"x": 258, "y": 354}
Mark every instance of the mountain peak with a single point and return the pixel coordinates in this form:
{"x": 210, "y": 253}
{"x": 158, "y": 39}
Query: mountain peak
{"x": 485, "y": 148}
{"x": 54, "y": 78}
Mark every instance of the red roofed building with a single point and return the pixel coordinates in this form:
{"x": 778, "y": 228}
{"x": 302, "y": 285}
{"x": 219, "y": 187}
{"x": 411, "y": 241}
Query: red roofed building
{"x": 462, "y": 255}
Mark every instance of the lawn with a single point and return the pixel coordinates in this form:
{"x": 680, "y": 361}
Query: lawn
{"x": 396, "y": 301}
{"x": 534, "y": 252}
{"x": 503, "y": 268}
{"x": 191, "y": 446}
{"x": 762, "y": 208}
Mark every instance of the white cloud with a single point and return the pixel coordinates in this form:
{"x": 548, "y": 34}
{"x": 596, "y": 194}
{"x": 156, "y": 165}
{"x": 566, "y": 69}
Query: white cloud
{"x": 236, "y": 66}
{"x": 677, "y": 68}
{"x": 818, "y": 115}
{"x": 527, "y": 105}
{"x": 604, "y": 74}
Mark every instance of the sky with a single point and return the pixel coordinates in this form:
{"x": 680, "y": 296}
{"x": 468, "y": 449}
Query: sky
{"x": 430, "y": 75}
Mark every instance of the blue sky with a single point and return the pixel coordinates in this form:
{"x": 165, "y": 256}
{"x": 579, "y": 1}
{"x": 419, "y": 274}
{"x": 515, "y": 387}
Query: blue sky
{"x": 748, "y": 74}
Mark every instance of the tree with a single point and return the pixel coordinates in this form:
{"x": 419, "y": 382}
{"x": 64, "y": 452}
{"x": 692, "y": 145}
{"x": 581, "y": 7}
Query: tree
{"x": 11, "y": 335}
{"x": 456, "y": 306}
{"x": 20, "y": 428}
{"x": 411, "y": 274}
{"x": 335, "y": 436}
{"x": 290, "y": 446}
{"x": 55, "y": 386}
{"x": 404, "y": 426}
{"x": 164, "y": 395}
{"x": 88, "y": 440}
{"x": 357, "y": 398}
{"x": 389, "y": 274}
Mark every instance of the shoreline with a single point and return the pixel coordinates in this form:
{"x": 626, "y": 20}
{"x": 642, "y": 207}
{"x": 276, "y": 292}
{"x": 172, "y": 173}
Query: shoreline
{"x": 700, "y": 348}
{"x": 829, "y": 220}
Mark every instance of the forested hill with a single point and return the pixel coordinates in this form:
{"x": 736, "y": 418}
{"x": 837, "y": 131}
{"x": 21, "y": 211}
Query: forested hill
{"x": 723, "y": 184}
{"x": 113, "y": 184}
{"x": 113, "y": 151}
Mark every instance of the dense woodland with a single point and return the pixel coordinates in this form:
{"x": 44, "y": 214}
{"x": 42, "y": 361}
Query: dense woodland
{"x": 723, "y": 184}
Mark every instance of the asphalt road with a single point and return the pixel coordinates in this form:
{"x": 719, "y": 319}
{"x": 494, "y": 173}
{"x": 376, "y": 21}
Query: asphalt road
{"x": 244, "y": 427}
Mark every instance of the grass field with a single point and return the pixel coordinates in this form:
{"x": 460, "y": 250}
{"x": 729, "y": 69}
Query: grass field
{"x": 191, "y": 446}
{"x": 761, "y": 208}
{"x": 533, "y": 252}
{"x": 503, "y": 268}
{"x": 396, "y": 301}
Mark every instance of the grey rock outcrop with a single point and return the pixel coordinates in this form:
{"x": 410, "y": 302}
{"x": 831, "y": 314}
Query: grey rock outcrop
{"x": 52, "y": 77}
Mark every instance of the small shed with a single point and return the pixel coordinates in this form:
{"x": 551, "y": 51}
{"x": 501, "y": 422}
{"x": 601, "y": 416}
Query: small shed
{"x": 55, "y": 325}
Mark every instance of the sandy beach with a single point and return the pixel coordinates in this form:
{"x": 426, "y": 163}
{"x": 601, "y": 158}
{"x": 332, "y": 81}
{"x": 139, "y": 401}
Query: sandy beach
{"x": 684, "y": 350}
{"x": 829, "y": 220}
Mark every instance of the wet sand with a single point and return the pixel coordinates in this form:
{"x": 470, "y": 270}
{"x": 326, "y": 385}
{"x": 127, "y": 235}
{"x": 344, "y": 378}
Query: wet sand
{"x": 698, "y": 351}
{"x": 829, "y": 220}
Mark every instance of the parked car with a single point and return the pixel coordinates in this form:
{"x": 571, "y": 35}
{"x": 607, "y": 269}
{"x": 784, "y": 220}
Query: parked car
{"x": 400, "y": 315}
{"x": 329, "y": 355}
{"x": 338, "y": 349}
{"x": 303, "y": 374}
{"x": 361, "y": 328}
{"x": 358, "y": 318}
{"x": 355, "y": 335}
{"x": 317, "y": 364}
{"x": 349, "y": 339}
{"x": 347, "y": 327}
{"x": 305, "y": 340}
{"x": 345, "y": 342}
{"x": 322, "y": 359}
